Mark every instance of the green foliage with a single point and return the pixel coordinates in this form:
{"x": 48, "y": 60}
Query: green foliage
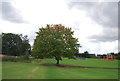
{"x": 0, "y": 43}
{"x": 11, "y": 44}
{"x": 86, "y": 54}
{"x": 10, "y": 59}
{"x": 14, "y": 44}
{"x": 16, "y": 59}
{"x": 26, "y": 57}
{"x": 55, "y": 41}
{"x": 26, "y": 48}
{"x": 118, "y": 55}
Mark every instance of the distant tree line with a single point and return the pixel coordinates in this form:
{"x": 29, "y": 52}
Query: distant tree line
{"x": 87, "y": 55}
{"x": 18, "y": 45}
{"x": 116, "y": 55}
{"x": 15, "y": 44}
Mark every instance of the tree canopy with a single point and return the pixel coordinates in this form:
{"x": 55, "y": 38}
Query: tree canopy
{"x": 55, "y": 41}
{"x": 13, "y": 44}
{"x": 86, "y": 53}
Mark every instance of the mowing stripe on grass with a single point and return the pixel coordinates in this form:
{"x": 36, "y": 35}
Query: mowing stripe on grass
{"x": 34, "y": 73}
{"x": 35, "y": 69}
{"x": 31, "y": 75}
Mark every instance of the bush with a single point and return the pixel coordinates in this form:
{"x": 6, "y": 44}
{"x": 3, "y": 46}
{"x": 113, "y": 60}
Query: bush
{"x": 16, "y": 59}
{"x": 11, "y": 59}
{"x": 26, "y": 57}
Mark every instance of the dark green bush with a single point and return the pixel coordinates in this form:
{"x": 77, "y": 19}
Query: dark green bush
{"x": 25, "y": 57}
{"x": 17, "y": 59}
{"x": 11, "y": 59}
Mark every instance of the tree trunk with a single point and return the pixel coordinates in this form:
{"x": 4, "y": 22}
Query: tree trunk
{"x": 57, "y": 62}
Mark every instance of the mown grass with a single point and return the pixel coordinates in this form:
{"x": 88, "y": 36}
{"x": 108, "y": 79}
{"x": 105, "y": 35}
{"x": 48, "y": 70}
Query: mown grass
{"x": 87, "y": 62}
{"x": 19, "y": 70}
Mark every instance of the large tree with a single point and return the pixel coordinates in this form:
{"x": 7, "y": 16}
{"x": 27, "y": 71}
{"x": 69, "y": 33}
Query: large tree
{"x": 55, "y": 41}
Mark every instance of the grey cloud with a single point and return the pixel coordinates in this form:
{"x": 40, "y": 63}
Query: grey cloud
{"x": 119, "y": 21}
{"x": 103, "y": 38}
{"x": 108, "y": 35}
{"x": 10, "y": 13}
{"x": 105, "y": 14}
{"x": 81, "y": 5}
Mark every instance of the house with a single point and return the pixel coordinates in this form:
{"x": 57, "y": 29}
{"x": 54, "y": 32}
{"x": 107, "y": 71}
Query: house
{"x": 92, "y": 56}
{"x": 99, "y": 56}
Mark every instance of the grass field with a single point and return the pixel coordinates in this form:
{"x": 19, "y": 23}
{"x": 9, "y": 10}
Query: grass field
{"x": 19, "y": 70}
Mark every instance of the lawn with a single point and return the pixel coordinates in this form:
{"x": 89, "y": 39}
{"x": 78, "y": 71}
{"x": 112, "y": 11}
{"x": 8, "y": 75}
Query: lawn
{"x": 19, "y": 70}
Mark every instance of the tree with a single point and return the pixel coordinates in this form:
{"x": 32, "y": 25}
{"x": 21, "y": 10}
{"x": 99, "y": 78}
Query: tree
{"x": 112, "y": 54}
{"x": 86, "y": 54}
{"x": 0, "y": 43}
{"x": 55, "y": 41}
{"x": 118, "y": 55}
{"x": 26, "y": 48}
{"x": 104, "y": 55}
{"x": 11, "y": 44}
{"x": 14, "y": 44}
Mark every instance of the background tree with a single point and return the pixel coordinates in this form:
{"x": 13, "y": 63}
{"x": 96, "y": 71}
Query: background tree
{"x": 117, "y": 55}
{"x": 86, "y": 53}
{"x": 26, "y": 48}
{"x": 55, "y": 41}
{"x": 104, "y": 55}
{"x": 14, "y": 44}
{"x": 0, "y": 43}
{"x": 11, "y": 44}
{"x": 112, "y": 54}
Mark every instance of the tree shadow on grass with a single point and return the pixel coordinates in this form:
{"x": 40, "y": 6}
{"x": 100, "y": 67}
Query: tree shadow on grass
{"x": 72, "y": 66}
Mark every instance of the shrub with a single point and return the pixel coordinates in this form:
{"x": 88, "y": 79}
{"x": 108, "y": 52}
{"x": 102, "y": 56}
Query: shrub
{"x": 26, "y": 57}
{"x": 17, "y": 59}
{"x": 11, "y": 59}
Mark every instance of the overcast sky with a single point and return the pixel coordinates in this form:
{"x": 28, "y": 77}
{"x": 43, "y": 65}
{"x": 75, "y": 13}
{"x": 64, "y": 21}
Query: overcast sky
{"x": 95, "y": 23}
